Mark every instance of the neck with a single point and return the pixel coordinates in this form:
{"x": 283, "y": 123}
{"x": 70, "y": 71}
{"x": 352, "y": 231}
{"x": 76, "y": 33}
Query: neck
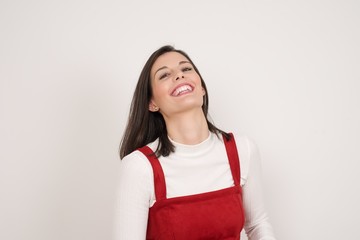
{"x": 187, "y": 128}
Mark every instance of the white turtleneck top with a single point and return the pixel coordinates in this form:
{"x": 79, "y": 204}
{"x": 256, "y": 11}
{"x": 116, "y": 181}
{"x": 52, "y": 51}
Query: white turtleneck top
{"x": 191, "y": 169}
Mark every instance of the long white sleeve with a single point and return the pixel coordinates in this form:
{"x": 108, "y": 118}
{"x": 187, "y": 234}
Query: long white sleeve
{"x": 135, "y": 187}
{"x": 257, "y": 226}
{"x": 190, "y": 170}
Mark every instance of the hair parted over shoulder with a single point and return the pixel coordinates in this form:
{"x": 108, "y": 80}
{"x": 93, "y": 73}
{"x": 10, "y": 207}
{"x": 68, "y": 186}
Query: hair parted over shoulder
{"x": 144, "y": 126}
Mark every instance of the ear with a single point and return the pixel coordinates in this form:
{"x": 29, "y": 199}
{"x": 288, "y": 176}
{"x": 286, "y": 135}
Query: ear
{"x": 204, "y": 92}
{"x": 153, "y": 107}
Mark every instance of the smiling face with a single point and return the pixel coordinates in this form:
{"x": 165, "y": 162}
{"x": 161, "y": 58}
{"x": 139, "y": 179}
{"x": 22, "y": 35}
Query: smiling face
{"x": 176, "y": 86}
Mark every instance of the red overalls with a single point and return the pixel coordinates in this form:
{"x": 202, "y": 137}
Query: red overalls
{"x": 211, "y": 215}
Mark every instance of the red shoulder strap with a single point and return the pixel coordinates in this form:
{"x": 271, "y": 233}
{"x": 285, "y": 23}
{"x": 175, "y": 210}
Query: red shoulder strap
{"x": 233, "y": 157}
{"x": 159, "y": 178}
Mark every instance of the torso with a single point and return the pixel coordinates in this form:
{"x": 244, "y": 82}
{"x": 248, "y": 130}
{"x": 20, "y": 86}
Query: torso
{"x": 216, "y": 214}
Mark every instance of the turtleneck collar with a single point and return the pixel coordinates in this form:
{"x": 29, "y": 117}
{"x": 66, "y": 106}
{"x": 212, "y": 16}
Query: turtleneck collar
{"x": 194, "y": 150}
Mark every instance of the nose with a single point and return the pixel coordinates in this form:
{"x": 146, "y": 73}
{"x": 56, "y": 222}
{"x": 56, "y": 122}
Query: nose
{"x": 180, "y": 75}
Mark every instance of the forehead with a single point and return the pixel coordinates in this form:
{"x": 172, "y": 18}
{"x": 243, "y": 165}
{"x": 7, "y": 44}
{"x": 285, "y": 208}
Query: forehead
{"x": 169, "y": 59}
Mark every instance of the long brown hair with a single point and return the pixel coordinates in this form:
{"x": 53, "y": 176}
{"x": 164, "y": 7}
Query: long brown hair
{"x": 144, "y": 126}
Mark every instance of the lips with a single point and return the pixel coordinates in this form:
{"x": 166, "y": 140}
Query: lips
{"x": 182, "y": 89}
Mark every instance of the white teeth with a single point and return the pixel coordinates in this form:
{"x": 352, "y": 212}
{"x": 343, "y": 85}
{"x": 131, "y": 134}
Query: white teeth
{"x": 182, "y": 89}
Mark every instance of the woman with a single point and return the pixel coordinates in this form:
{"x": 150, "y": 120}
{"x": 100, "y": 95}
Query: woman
{"x": 181, "y": 177}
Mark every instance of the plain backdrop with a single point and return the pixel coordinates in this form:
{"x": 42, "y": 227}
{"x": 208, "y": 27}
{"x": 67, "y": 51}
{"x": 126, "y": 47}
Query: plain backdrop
{"x": 285, "y": 73}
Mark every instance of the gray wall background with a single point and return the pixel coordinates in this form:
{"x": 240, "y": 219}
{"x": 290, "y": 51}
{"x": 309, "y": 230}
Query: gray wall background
{"x": 286, "y": 73}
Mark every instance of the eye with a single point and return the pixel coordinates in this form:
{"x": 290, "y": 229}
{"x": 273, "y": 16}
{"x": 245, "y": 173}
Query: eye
{"x": 164, "y": 75}
{"x": 186, "y": 69}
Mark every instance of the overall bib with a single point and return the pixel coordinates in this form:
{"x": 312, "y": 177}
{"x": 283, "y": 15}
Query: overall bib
{"x": 210, "y": 215}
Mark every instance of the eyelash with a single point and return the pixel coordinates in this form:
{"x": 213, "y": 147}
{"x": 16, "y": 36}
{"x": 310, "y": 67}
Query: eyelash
{"x": 185, "y": 69}
{"x": 164, "y": 75}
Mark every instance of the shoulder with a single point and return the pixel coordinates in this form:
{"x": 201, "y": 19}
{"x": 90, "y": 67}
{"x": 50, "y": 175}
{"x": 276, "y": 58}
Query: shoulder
{"x": 244, "y": 143}
{"x": 135, "y": 166}
{"x": 137, "y": 159}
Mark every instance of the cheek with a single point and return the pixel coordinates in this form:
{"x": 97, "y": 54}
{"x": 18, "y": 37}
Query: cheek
{"x": 159, "y": 91}
{"x": 198, "y": 80}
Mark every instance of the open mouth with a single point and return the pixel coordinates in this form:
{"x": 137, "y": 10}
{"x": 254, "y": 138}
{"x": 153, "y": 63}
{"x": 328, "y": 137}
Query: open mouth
{"x": 183, "y": 89}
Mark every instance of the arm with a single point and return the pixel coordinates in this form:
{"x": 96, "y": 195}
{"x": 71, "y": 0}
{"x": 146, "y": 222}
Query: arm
{"x": 134, "y": 193}
{"x": 256, "y": 226}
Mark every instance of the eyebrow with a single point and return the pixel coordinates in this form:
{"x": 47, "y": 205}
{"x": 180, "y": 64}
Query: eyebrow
{"x": 181, "y": 62}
